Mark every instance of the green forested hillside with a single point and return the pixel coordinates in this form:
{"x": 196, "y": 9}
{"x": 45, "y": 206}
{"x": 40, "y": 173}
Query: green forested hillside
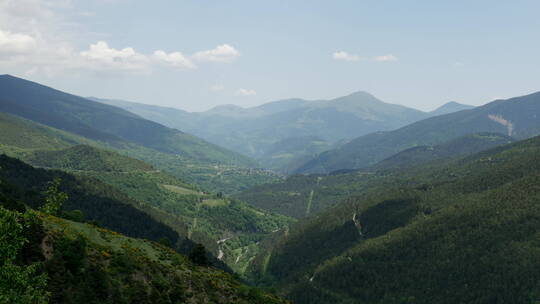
{"x": 303, "y": 195}
{"x": 23, "y": 137}
{"x": 87, "y": 158}
{"x": 181, "y": 206}
{"x": 103, "y": 122}
{"x": 516, "y": 117}
{"x": 463, "y": 231}
{"x": 97, "y": 201}
{"x": 46, "y": 259}
{"x": 88, "y": 122}
{"x": 460, "y": 146}
{"x": 285, "y": 154}
{"x": 207, "y": 217}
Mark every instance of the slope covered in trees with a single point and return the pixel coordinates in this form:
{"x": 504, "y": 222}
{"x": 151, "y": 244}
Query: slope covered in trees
{"x": 188, "y": 210}
{"x": 97, "y": 201}
{"x": 46, "y": 259}
{"x": 304, "y": 195}
{"x": 459, "y": 231}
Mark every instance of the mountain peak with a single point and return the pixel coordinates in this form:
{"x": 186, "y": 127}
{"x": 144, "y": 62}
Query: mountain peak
{"x": 225, "y": 108}
{"x": 361, "y": 94}
{"x": 359, "y": 97}
{"x": 450, "y": 107}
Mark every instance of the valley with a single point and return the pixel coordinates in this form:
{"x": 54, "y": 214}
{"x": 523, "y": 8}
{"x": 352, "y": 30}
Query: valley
{"x": 269, "y": 152}
{"x": 417, "y": 204}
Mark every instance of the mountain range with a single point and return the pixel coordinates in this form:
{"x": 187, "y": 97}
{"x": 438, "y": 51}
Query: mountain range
{"x": 516, "y": 117}
{"x": 266, "y": 132}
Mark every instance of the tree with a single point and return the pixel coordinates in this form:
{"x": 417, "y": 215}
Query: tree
{"x": 54, "y": 199}
{"x": 165, "y": 242}
{"x": 198, "y": 255}
{"x": 18, "y": 284}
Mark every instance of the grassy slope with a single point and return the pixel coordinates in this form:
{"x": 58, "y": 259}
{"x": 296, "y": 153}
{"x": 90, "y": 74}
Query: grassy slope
{"x": 127, "y": 269}
{"x": 463, "y": 231}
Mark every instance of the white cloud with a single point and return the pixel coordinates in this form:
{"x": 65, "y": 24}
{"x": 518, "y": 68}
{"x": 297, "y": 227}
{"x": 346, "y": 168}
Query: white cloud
{"x": 342, "y": 55}
{"x": 39, "y": 36}
{"x": 14, "y": 43}
{"x": 385, "y": 58}
{"x": 245, "y": 92}
{"x": 221, "y": 53}
{"x": 174, "y": 59}
{"x": 110, "y": 58}
{"x": 217, "y": 87}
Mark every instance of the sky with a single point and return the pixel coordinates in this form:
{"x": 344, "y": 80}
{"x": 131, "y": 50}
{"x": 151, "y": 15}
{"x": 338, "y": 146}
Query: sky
{"x": 194, "y": 55}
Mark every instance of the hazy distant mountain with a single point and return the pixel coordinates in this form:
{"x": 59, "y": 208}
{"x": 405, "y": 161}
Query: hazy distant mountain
{"x": 517, "y": 117}
{"x": 450, "y": 107}
{"x": 257, "y": 131}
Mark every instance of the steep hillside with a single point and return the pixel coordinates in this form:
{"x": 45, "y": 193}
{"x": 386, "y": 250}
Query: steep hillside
{"x": 517, "y": 117}
{"x": 259, "y": 130}
{"x": 97, "y": 201}
{"x": 75, "y": 120}
{"x": 22, "y": 137}
{"x": 102, "y": 122}
{"x": 303, "y": 195}
{"x": 207, "y": 218}
{"x": 460, "y": 146}
{"x": 53, "y": 260}
{"x": 87, "y": 158}
{"x": 192, "y": 213}
{"x": 463, "y": 231}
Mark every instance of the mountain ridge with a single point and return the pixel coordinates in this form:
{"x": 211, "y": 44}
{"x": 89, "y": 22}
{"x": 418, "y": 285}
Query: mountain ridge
{"x": 254, "y": 131}
{"x": 181, "y": 154}
{"x": 516, "y": 117}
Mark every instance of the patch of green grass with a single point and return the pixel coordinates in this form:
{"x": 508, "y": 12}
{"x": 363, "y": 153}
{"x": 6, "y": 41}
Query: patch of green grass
{"x": 180, "y": 190}
{"x": 215, "y": 202}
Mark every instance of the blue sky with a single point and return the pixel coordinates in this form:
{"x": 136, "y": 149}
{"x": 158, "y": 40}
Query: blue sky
{"x": 194, "y": 55}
